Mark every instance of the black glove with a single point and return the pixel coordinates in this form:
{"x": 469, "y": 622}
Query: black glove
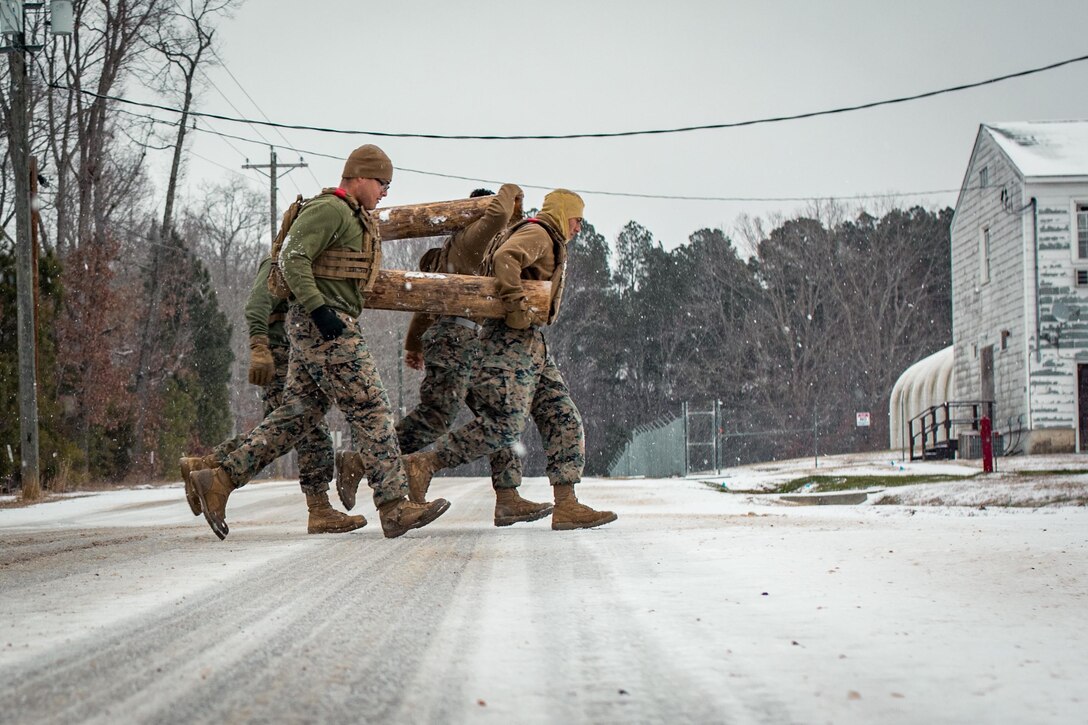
{"x": 328, "y": 322}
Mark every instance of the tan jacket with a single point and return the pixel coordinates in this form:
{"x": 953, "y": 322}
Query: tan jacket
{"x": 463, "y": 253}
{"x": 537, "y": 250}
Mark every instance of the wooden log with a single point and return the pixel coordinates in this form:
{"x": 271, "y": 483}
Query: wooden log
{"x": 448, "y": 294}
{"x": 433, "y": 219}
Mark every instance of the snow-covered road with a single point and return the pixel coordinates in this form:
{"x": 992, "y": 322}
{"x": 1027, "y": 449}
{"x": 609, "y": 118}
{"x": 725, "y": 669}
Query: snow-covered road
{"x": 696, "y": 606}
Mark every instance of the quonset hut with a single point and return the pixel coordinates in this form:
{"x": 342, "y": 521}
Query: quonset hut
{"x": 924, "y": 384}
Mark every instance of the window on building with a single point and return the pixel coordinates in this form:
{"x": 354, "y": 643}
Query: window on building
{"x": 984, "y": 177}
{"x": 1082, "y": 231}
{"x": 1082, "y": 277}
{"x": 984, "y": 255}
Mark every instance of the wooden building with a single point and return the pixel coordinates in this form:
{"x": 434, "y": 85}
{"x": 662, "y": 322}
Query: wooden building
{"x": 1020, "y": 282}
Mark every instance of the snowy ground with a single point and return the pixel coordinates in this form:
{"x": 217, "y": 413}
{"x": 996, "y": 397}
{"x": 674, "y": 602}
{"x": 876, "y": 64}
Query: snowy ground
{"x": 698, "y": 605}
{"x": 1022, "y": 481}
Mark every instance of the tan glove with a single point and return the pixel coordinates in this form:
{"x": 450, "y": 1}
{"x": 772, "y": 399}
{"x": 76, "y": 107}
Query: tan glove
{"x": 519, "y": 319}
{"x": 262, "y": 368}
{"x": 518, "y": 314}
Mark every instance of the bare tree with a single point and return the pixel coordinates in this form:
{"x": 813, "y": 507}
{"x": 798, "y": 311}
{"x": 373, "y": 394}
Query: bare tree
{"x": 184, "y": 38}
{"x": 96, "y": 176}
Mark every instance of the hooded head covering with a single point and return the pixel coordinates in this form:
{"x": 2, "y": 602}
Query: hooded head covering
{"x": 368, "y": 162}
{"x": 560, "y": 206}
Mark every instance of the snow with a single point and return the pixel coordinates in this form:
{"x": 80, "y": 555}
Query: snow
{"x": 713, "y": 605}
{"x": 1044, "y": 148}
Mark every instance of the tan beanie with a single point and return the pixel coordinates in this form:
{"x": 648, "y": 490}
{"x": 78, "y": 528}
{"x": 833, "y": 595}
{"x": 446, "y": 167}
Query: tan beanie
{"x": 368, "y": 162}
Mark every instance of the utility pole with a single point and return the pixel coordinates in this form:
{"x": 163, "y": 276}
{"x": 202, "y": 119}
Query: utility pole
{"x": 13, "y": 42}
{"x": 30, "y": 473}
{"x": 13, "y": 31}
{"x": 273, "y": 174}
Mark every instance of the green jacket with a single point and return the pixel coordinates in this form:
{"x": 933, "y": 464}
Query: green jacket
{"x": 324, "y": 222}
{"x": 261, "y": 305}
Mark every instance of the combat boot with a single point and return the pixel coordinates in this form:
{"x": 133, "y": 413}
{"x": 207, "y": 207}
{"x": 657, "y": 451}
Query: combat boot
{"x": 420, "y": 467}
{"x": 349, "y": 471}
{"x": 324, "y": 519}
{"x": 214, "y": 487}
{"x": 510, "y": 508}
{"x": 187, "y": 466}
{"x": 570, "y": 514}
{"x": 400, "y": 516}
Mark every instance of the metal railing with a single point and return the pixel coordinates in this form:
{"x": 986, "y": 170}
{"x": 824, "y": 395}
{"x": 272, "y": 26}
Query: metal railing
{"x": 925, "y": 429}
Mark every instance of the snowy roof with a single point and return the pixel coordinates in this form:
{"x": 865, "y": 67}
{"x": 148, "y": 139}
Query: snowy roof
{"x": 1044, "y": 148}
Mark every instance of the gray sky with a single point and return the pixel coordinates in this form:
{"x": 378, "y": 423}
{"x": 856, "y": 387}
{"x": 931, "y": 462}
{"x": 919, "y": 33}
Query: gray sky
{"x": 567, "y": 67}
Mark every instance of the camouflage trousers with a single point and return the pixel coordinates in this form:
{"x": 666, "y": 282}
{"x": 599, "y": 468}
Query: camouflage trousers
{"x": 320, "y": 373}
{"x": 450, "y": 355}
{"x": 315, "y": 455}
{"x": 516, "y": 379}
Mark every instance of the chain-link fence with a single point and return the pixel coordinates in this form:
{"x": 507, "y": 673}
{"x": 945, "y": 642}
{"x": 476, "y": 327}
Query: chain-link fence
{"x": 655, "y": 450}
{"x": 706, "y": 437}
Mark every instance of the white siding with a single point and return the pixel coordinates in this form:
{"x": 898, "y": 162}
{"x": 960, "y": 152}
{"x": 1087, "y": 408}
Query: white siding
{"x": 1053, "y": 377}
{"x": 1034, "y": 380}
{"x": 983, "y": 310}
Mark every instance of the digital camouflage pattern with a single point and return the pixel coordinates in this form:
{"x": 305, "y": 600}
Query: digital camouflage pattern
{"x": 320, "y": 373}
{"x": 516, "y": 379}
{"x": 315, "y": 454}
{"x": 450, "y": 354}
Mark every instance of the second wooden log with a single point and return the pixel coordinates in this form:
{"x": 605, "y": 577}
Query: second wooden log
{"x": 448, "y": 294}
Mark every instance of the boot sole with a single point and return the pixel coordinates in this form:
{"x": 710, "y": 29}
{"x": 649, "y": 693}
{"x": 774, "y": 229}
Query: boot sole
{"x": 511, "y": 520}
{"x": 423, "y": 521}
{"x": 218, "y": 525}
{"x": 346, "y": 493}
{"x": 345, "y": 490}
{"x": 570, "y": 526}
{"x": 191, "y": 495}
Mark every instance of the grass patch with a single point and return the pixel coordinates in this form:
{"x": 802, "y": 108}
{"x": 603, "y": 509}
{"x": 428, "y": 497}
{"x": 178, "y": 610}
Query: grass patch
{"x": 825, "y": 484}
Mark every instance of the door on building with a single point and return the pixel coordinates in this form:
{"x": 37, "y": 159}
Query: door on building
{"x": 986, "y": 373}
{"x": 1082, "y": 408}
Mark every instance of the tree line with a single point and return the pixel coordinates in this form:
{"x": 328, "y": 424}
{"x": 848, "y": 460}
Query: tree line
{"x": 134, "y": 349}
{"x": 142, "y": 343}
{"x": 812, "y": 322}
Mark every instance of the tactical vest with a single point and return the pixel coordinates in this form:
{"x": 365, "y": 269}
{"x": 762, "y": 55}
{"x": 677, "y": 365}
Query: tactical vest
{"x": 559, "y": 249}
{"x": 437, "y": 259}
{"x": 333, "y": 263}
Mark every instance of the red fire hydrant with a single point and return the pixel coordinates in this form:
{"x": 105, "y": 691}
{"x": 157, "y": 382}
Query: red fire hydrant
{"x": 986, "y": 433}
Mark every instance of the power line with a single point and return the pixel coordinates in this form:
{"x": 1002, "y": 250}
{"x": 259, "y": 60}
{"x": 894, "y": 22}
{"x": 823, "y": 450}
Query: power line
{"x": 667, "y": 197}
{"x": 183, "y": 13}
{"x": 260, "y": 110}
{"x": 239, "y": 111}
{"x": 673, "y": 197}
{"x": 613, "y": 134}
